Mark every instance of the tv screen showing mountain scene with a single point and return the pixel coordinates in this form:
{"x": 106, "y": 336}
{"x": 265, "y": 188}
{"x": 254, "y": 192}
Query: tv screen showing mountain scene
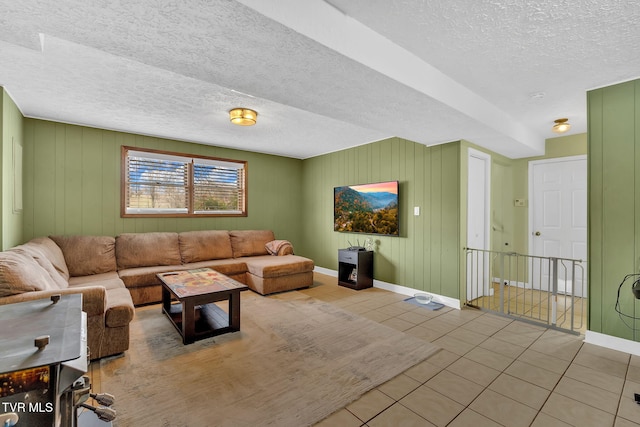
{"x": 367, "y": 208}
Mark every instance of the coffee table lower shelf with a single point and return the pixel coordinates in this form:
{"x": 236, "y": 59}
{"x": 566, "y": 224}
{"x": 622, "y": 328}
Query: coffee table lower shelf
{"x": 209, "y": 321}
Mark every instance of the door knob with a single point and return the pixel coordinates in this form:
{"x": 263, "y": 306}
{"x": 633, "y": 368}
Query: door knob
{"x": 537, "y": 233}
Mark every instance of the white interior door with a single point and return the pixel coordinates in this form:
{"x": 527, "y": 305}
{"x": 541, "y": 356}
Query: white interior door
{"x": 558, "y": 219}
{"x": 478, "y": 214}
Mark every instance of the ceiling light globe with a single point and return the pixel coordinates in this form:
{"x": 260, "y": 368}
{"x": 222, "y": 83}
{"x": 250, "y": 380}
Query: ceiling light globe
{"x": 243, "y": 116}
{"x": 561, "y": 126}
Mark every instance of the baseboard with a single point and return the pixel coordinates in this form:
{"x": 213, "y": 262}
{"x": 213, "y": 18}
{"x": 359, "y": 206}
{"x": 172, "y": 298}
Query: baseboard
{"x": 402, "y": 290}
{"x": 614, "y": 343}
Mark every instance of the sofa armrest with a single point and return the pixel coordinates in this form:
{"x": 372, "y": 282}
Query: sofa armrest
{"x": 94, "y": 298}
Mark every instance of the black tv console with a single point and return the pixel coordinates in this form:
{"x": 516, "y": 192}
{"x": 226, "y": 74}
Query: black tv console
{"x": 355, "y": 268}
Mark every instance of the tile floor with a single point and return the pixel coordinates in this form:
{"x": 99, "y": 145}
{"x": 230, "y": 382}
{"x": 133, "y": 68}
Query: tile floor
{"x": 536, "y": 305}
{"x": 491, "y": 371}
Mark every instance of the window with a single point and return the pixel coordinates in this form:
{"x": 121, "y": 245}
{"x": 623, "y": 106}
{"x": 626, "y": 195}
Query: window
{"x": 160, "y": 183}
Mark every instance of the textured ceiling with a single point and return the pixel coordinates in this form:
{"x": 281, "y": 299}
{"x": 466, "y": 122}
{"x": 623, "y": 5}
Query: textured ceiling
{"x": 323, "y": 75}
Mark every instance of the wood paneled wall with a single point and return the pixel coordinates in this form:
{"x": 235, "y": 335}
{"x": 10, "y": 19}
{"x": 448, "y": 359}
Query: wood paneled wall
{"x": 614, "y": 206}
{"x": 427, "y": 254}
{"x": 72, "y": 185}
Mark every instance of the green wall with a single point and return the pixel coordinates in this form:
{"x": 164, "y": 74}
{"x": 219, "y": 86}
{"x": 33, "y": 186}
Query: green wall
{"x": 12, "y": 142}
{"x": 614, "y": 205}
{"x": 427, "y": 254}
{"x": 72, "y": 185}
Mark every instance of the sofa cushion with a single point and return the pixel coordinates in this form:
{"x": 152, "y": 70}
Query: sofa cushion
{"x": 53, "y": 252}
{"x": 204, "y": 245}
{"x": 147, "y": 249}
{"x": 250, "y": 242}
{"x": 35, "y": 252}
{"x": 109, "y": 280}
{"x": 21, "y": 273}
{"x": 271, "y": 266}
{"x": 87, "y": 255}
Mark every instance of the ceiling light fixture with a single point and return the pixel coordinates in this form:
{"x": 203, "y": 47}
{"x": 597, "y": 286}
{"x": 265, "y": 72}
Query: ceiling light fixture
{"x": 243, "y": 116}
{"x": 561, "y": 126}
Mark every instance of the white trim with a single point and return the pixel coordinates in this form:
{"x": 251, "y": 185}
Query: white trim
{"x": 402, "y": 290}
{"x": 614, "y": 343}
{"x": 322, "y": 270}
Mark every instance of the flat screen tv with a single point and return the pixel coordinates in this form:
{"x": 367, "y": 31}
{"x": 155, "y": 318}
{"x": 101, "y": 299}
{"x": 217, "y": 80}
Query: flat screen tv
{"x": 367, "y": 208}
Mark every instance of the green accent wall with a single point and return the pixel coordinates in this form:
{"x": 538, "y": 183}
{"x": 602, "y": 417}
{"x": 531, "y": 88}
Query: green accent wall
{"x": 427, "y": 254}
{"x": 72, "y": 185}
{"x": 614, "y": 205}
{"x": 11, "y": 176}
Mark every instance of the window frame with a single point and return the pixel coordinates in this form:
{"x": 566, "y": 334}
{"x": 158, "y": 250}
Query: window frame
{"x": 190, "y": 187}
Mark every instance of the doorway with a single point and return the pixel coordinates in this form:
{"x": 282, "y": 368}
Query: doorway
{"x": 478, "y": 215}
{"x": 558, "y": 217}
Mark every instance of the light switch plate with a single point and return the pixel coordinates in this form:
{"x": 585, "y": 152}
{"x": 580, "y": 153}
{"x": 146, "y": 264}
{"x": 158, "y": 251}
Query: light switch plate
{"x": 416, "y": 210}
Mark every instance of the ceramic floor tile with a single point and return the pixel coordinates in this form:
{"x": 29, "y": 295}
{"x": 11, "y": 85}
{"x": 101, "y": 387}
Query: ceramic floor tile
{"x": 502, "y": 347}
{"x": 544, "y": 420}
{"x": 470, "y": 418}
{"x": 489, "y": 358}
{"x": 424, "y": 371}
{"x": 601, "y": 364}
{"x": 607, "y": 353}
{"x": 454, "y": 345}
{"x": 635, "y": 360}
{"x": 492, "y": 319}
{"x": 443, "y": 358}
{"x": 522, "y": 339}
{"x": 424, "y": 333}
{"x": 481, "y": 327}
{"x": 342, "y": 418}
{"x": 370, "y": 405}
{"x": 558, "y": 344}
{"x": 599, "y": 379}
{"x": 533, "y": 374}
{"x": 628, "y": 408}
{"x": 589, "y": 394}
{"x": 523, "y": 327}
{"x": 397, "y": 323}
{"x": 621, "y": 422}
{"x": 503, "y": 410}
{"x": 473, "y": 371}
{"x": 544, "y": 361}
{"x": 576, "y": 413}
{"x": 398, "y": 416}
{"x": 455, "y": 387}
{"x": 438, "y": 324}
{"x": 413, "y": 317}
{"x": 520, "y": 391}
{"x": 433, "y": 406}
{"x": 400, "y": 386}
{"x": 633, "y": 373}
{"x": 468, "y": 336}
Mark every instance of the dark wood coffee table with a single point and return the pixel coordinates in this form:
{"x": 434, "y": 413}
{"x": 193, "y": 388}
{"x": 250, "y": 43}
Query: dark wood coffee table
{"x": 188, "y": 299}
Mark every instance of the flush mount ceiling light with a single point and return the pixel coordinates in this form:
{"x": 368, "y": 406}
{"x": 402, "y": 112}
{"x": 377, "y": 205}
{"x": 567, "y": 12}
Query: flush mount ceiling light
{"x": 243, "y": 116}
{"x": 561, "y": 126}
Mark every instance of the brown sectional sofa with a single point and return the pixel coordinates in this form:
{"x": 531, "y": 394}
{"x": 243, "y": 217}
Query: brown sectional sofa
{"x": 241, "y": 255}
{"x": 38, "y": 269}
{"x": 116, "y": 273}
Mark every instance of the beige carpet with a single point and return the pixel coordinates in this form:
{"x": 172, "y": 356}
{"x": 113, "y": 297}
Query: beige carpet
{"x": 293, "y": 363}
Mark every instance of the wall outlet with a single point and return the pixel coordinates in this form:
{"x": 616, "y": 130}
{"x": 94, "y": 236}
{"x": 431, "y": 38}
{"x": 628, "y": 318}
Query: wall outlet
{"x": 520, "y": 203}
